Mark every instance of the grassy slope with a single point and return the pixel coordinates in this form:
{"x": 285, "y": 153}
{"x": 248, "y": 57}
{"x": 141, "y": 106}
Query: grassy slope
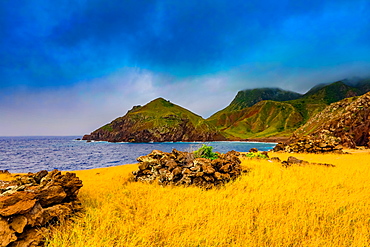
{"x": 266, "y": 118}
{"x": 250, "y": 97}
{"x": 271, "y": 118}
{"x": 270, "y": 206}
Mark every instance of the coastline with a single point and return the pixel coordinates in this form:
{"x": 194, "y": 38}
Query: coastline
{"x": 276, "y": 139}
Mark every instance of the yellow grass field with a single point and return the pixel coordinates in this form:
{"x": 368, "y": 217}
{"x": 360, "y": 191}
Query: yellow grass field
{"x": 270, "y": 206}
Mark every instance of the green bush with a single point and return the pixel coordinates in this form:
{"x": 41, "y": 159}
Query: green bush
{"x": 205, "y": 152}
{"x": 256, "y": 155}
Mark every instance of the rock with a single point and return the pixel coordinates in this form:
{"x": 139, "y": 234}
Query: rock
{"x": 31, "y": 238}
{"x": 33, "y": 201}
{"x": 35, "y": 216}
{"x": 293, "y": 160}
{"x": 51, "y": 195}
{"x": 40, "y": 175}
{"x": 19, "y": 202}
{"x": 7, "y": 235}
{"x": 144, "y": 165}
{"x": 171, "y": 164}
{"x": 275, "y": 159}
{"x": 253, "y": 150}
{"x": 208, "y": 169}
{"x": 265, "y": 154}
{"x": 180, "y": 168}
{"x": 177, "y": 171}
{"x": 226, "y": 168}
{"x": 18, "y": 223}
{"x": 4, "y": 172}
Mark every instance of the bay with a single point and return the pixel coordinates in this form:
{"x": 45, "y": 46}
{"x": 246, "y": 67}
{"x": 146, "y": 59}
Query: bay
{"x": 32, "y": 154}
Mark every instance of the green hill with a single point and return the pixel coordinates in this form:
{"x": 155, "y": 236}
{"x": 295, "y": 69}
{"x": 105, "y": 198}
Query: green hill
{"x": 274, "y": 117}
{"x": 316, "y": 99}
{"x": 362, "y": 84}
{"x": 248, "y": 98}
{"x": 157, "y": 121}
{"x": 332, "y": 93}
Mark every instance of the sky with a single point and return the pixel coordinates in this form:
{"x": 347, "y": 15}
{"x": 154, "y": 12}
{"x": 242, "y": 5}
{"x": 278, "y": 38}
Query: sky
{"x": 68, "y": 67}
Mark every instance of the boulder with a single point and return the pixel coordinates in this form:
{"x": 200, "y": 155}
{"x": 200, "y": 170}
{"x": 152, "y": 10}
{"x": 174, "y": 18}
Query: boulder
{"x": 33, "y": 201}
{"x": 295, "y": 161}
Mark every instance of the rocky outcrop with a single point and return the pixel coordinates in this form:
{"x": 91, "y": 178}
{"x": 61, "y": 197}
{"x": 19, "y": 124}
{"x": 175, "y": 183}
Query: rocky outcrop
{"x": 31, "y": 202}
{"x": 157, "y": 121}
{"x": 352, "y": 127}
{"x": 346, "y": 122}
{"x": 181, "y": 168}
{"x": 309, "y": 144}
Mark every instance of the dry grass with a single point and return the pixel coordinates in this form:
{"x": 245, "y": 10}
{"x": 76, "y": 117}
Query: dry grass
{"x": 270, "y": 206}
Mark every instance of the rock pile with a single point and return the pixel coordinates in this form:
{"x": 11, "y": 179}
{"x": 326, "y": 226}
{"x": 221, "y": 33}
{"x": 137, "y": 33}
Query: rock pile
{"x": 181, "y": 168}
{"x": 33, "y": 201}
{"x": 309, "y": 144}
{"x": 295, "y": 161}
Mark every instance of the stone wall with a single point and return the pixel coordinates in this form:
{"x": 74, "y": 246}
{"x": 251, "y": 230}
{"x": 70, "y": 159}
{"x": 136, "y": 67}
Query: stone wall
{"x": 31, "y": 202}
{"x": 181, "y": 168}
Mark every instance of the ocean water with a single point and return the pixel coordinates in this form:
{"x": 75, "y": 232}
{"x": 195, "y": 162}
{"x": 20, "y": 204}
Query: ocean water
{"x": 32, "y": 154}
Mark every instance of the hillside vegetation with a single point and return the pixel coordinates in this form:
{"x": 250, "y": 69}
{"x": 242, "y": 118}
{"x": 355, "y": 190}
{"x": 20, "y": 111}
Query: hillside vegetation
{"x": 264, "y": 119}
{"x": 269, "y": 206}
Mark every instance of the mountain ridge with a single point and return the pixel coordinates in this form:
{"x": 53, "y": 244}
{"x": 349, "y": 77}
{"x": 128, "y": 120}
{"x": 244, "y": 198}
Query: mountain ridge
{"x": 161, "y": 120}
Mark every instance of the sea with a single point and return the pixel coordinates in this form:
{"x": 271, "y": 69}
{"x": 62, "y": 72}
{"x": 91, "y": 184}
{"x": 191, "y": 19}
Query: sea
{"x": 66, "y": 153}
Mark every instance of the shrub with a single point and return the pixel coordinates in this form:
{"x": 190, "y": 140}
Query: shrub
{"x": 205, "y": 152}
{"x": 256, "y": 155}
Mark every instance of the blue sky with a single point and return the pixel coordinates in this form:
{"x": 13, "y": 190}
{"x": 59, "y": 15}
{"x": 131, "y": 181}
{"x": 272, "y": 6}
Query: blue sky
{"x": 68, "y": 67}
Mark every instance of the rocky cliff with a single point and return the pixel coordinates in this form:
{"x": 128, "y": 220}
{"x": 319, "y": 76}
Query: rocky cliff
{"x": 347, "y": 120}
{"x": 345, "y": 123}
{"x": 158, "y": 121}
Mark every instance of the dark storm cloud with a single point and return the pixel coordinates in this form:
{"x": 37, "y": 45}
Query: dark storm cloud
{"x": 182, "y": 37}
{"x": 63, "y": 42}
